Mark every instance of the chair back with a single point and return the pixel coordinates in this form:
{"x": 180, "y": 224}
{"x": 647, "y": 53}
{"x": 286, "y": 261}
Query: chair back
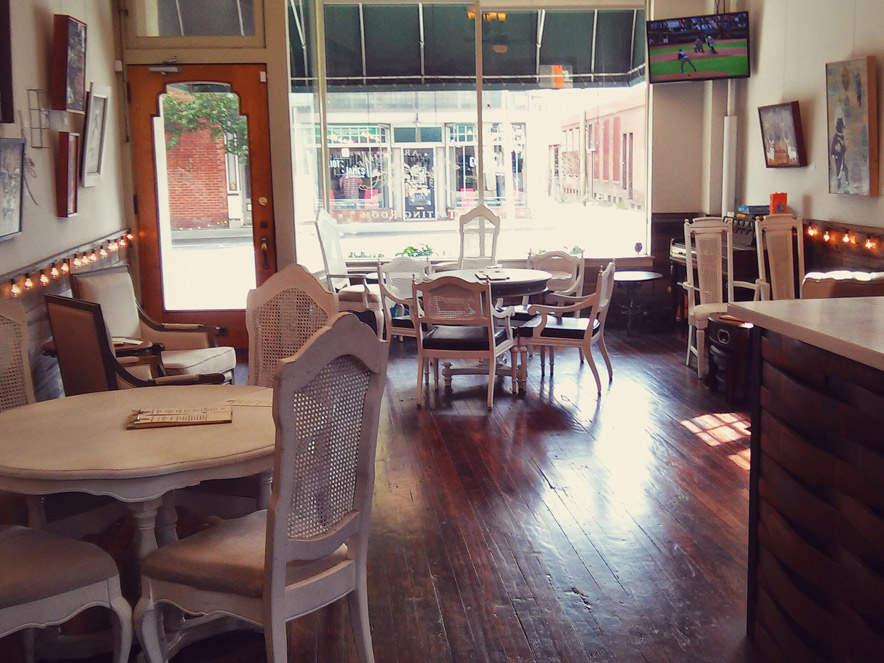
{"x": 479, "y": 229}
{"x": 449, "y": 300}
{"x": 112, "y": 289}
{"x": 604, "y": 287}
{"x": 566, "y": 270}
{"x": 330, "y": 246}
{"x": 281, "y": 315}
{"x": 85, "y": 353}
{"x": 708, "y": 241}
{"x": 777, "y": 236}
{"x": 16, "y": 386}
{"x": 326, "y": 406}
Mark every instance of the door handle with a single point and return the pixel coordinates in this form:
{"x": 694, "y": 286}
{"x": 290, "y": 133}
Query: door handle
{"x": 264, "y": 252}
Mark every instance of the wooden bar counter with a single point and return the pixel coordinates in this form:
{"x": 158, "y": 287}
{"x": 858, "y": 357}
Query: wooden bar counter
{"x": 816, "y": 511}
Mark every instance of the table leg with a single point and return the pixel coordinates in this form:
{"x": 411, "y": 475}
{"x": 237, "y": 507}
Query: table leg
{"x": 145, "y": 515}
{"x": 167, "y": 520}
{"x": 265, "y": 486}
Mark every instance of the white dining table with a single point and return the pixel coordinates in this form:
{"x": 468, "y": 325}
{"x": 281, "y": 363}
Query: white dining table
{"x": 81, "y": 444}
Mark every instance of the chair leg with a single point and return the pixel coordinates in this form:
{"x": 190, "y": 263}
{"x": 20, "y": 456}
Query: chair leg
{"x": 604, "y": 349}
{"x": 580, "y": 350}
{"x": 701, "y": 353}
{"x": 552, "y": 358}
{"x": 358, "y": 601}
{"x": 523, "y": 369}
{"x": 687, "y": 356}
{"x": 121, "y": 624}
{"x": 147, "y": 628}
{"x": 435, "y": 372}
{"x": 492, "y": 370}
{"x": 276, "y": 641}
{"x": 421, "y": 362}
{"x": 542, "y": 358}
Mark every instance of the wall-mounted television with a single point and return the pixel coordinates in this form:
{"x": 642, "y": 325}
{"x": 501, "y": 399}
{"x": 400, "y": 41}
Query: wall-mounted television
{"x": 698, "y": 48}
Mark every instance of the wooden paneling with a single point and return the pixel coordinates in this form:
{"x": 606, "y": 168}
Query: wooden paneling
{"x": 818, "y": 534}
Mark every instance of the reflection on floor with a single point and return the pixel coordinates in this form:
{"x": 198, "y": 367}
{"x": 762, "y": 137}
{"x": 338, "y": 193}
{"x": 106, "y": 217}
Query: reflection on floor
{"x": 559, "y": 527}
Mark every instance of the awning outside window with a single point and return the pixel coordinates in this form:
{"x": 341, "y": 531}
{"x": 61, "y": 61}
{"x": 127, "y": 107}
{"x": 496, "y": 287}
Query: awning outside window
{"x": 432, "y": 46}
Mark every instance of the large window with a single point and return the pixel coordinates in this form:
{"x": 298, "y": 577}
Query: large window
{"x": 561, "y": 155}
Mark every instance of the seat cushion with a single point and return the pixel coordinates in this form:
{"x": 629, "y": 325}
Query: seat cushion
{"x": 402, "y": 322}
{"x": 228, "y": 558}
{"x": 353, "y": 293}
{"x": 199, "y": 361}
{"x": 842, "y": 283}
{"x": 520, "y": 314}
{"x": 465, "y": 338}
{"x": 35, "y": 564}
{"x": 573, "y": 328}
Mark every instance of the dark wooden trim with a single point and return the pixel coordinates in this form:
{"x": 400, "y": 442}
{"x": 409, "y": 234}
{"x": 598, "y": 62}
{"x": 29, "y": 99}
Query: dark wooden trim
{"x": 7, "y": 105}
{"x": 754, "y": 444}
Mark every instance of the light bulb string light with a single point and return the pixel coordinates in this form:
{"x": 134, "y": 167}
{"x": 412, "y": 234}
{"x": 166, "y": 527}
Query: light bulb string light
{"x": 42, "y": 273}
{"x": 845, "y": 236}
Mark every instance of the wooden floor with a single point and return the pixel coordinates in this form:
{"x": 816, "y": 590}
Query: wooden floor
{"x": 559, "y": 527}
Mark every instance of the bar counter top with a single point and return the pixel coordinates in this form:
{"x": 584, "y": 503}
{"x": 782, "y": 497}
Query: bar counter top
{"x": 852, "y": 327}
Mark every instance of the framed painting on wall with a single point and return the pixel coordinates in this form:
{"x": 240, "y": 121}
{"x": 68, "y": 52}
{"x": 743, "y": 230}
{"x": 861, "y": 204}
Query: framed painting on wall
{"x": 7, "y": 110}
{"x": 852, "y": 114}
{"x": 93, "y": 134}
{"x": 782, "y": 135}
{"x": 12, "y": 169}
{"x": 66, "y": 163}
{"x": 67, "y": 84}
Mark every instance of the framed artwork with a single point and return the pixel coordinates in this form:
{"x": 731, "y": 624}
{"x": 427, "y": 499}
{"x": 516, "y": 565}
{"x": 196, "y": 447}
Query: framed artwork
{"x": 7, "y": 110}
{"x": 782, "y": 135}
{"x": 93, "y": 134}
{"x": 66, "y": 163}
{"x": 67, "y": 84}
{"x": 852, "y": 114}
{"x": 12, "y": 169}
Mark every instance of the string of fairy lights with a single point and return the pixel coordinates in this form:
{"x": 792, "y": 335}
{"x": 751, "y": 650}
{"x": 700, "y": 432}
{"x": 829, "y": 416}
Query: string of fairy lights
{"x": 846, "y": 237}
{"x": 59, "y": 266}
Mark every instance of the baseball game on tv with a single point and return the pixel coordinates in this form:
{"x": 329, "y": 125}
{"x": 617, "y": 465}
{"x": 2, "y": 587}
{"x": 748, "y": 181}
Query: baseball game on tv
{"x": 698, "y": 48}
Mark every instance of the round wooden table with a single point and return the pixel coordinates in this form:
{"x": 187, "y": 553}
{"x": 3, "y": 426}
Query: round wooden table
{"x": 505, "y": 282}
{"x": 81, "y": 444}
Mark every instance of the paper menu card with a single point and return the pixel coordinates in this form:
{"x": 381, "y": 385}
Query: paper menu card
{"x": 161, "y": 417}
{"x": 492, "y": 276}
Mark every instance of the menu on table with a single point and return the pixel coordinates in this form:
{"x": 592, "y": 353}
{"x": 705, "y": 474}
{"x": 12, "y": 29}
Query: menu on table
{"x": 161, "y": 417}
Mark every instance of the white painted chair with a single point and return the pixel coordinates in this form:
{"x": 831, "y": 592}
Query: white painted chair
{"x": 359, "y": 297}
{"x": 281, "y": 316}
{"x": 455, "y": 319}
{"x": 479, "y": 229}
{"x": 86, "y": 358}
{"x": 708, "y": 241}
{"x": 189, "y": 349}
{"x": 395, "y": 279}
{"x": 309, "y": 548}
{"x": 780, "y": 238}
{"x": 567, "y": 274}
{"x": 45, "y": 579}
{"x": 16, "y": 386}
{"x": 555, "y": 327}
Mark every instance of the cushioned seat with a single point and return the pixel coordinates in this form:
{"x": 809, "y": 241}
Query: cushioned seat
{"x": 199, "y": 362}
{"x": 402, "y": 322}
{"x": 353, "y": 293}
{"x": 473, "y": 338}
{"x": 558, "y": 327}
{"x": 229, "y": 558}
{"x": 27, "y": 554}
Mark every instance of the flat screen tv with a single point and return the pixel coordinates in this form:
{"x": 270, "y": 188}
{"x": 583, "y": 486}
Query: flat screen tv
{"x": 698, "y": 48}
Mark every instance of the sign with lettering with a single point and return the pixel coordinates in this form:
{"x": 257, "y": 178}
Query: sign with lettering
{"x": 420, "y": 183}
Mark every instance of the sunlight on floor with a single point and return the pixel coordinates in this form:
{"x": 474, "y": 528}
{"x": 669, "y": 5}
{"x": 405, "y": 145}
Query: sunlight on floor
{"x": 724, "y": 429}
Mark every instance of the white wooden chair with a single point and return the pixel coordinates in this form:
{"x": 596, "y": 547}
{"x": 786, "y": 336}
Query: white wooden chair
{"x": 189, "y": 349}
{"x": 567, "y": 274}
{"x": 86, "y": 358}
{"x": 395, "y": 279}
{"x": 708, "y": 241}
{"x": 479, "y": 229}
{"x": 455, "y": 319}
{"x": 557, "y": 327}
{"x": 281, "y": 315}
{"x": 45, "y": 579}
{"x": 16, "y": 386}
{"x": 309, "y": 548}
{"x": 359, "y": 297}
{"x": 776, "y": 236}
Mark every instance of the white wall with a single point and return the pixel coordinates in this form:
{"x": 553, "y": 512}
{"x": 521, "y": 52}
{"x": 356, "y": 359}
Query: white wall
{"x": 101, "y": 208}
{"x": 792, "y": 42}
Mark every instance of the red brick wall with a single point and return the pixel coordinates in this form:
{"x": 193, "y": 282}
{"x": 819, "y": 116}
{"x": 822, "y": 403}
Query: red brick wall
{"x": 197, "y": 182}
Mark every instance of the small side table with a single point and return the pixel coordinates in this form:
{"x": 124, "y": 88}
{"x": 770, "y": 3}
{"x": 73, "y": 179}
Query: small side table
{"x": 632, "y": 281}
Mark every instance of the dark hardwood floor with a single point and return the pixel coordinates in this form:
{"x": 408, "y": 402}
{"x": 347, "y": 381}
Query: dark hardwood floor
{"x": 558, "y": 527}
